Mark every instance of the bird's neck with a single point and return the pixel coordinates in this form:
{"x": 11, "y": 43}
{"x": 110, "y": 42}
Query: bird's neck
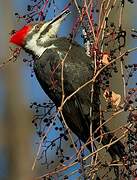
{"x": 61, "y": 44}
{"x": 37, "y": 49}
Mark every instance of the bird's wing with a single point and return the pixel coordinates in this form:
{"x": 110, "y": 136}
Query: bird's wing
{"x": 77, "y": 70}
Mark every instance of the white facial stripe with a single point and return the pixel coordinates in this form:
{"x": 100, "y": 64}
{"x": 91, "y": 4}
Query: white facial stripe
{"x": 51, "y": 33}
{"x": 39, "y": 50}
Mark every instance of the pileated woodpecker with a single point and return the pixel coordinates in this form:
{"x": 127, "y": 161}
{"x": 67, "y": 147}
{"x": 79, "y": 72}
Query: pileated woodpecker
{"x": 48, "y": 51}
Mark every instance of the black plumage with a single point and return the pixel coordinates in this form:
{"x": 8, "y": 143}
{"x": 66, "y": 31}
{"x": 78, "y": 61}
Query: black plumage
{"x": 78, "y": 69}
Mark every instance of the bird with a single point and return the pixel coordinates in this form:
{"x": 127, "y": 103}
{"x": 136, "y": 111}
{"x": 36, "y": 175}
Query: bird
{"x": 48, "y": 51}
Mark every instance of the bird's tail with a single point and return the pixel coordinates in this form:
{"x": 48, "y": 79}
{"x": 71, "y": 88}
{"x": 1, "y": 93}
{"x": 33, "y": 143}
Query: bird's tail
{"x": 114, "y": 149}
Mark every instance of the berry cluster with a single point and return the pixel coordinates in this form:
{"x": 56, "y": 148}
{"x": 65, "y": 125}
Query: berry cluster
{"x": 37, "y": 10}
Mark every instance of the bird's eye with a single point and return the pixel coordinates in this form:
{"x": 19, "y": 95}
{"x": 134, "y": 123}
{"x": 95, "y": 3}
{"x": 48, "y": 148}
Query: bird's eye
{"x": 37, "y": 27}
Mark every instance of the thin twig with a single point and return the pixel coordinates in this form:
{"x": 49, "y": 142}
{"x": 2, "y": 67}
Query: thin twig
{"x": 41, "y": 142}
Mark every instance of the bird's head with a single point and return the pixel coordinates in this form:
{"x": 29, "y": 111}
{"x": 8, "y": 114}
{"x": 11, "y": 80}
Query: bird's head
{"x": 36, "y": 38}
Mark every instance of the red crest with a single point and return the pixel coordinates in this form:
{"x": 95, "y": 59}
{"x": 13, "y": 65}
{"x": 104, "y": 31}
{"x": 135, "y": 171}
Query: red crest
{"x": 19, "y": 36}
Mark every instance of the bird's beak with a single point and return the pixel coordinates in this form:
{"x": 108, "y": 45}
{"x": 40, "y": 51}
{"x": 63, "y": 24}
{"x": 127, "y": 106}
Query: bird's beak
{"x": 61, "y": 17}
{"x": 49, "y": 29}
